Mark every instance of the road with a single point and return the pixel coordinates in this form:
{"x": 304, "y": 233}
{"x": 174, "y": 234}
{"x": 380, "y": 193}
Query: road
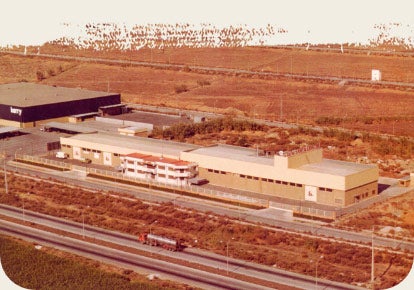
{"x": 272, "y": 219}
{"x": 196, "y": 256}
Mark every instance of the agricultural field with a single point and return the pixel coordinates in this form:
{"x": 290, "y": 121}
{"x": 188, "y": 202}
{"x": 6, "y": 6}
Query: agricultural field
{"x": 294, "y": 252}
{"x": 358, "y": 107}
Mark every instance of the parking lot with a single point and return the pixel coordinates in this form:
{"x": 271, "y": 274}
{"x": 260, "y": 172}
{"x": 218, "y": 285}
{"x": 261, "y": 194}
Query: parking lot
{"x": 32, "y": 141}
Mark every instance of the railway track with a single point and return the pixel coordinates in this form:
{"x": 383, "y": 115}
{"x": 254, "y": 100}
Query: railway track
{"x": 225, "y": 264}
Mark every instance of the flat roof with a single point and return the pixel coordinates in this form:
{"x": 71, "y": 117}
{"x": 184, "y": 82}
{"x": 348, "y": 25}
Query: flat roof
{"x": 30, "y": 94}
{"x": 235, "y": 153}
{"x": 70, "y": 127}
{"x": 8, "y": 129}
{"x": 336, "y": 167}
{"x": 138, "y": 144}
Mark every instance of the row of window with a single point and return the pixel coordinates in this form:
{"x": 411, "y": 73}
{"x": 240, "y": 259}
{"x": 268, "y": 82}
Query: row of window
{"x": 159, "y": 175}
{"x": 216, "y": 171}
{"x": 87, "y": 150}
{"x": 257, "y": 178}
{"x": 325, "y": 189}
{"x": 66, "y": 146}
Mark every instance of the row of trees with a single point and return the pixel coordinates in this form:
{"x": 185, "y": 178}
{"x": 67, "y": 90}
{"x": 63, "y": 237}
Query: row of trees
{"x": 182, "y": 131}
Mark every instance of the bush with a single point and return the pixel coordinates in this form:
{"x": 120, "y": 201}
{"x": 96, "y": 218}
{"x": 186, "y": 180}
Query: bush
{"x": 40, "y": 75}
{"x": 181, "y": 89}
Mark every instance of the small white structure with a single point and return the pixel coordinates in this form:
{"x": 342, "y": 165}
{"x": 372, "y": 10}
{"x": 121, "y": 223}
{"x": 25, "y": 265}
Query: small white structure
{"x": 376, "y": 75}
{"x": 133, "y": 131}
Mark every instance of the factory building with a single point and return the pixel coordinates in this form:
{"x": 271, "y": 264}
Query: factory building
{"x": 28, "y": 105}
{"x": 298, "y": 175}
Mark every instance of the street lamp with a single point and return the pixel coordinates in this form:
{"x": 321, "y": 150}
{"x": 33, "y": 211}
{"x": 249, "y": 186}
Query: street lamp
{"x": 150, "y": 233}
{"x": 316, "y": 272}
{"x": 15, "y": 153}
{"x": 6, "y": 188}
{"x": 83, "y": 222}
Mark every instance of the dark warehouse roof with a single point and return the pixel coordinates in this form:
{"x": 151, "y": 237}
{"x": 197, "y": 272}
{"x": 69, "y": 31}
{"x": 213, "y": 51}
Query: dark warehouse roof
{"x": 29, "y": 94}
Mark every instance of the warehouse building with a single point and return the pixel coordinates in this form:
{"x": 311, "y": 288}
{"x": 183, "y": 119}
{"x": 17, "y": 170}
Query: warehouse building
{"x": 299, "y": 175}
{"x": 27, "y": 105}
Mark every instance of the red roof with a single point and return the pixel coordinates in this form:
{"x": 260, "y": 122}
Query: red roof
{"x": 137, "y": 155}
{"x": 151, "y": 158}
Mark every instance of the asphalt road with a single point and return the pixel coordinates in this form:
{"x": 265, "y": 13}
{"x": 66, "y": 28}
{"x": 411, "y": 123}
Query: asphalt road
{"x": 196, "y": 256}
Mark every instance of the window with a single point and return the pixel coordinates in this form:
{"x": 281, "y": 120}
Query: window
{"x": 116, "y": 154}
{"x": 270, "y": 180}
{"x": 242, "y": 176}
{"x": 264, "y": 179}
{"x": 329, "y": 189}
{"x": 284, "y": 183}
{"x": 131, "y": 170}
{"x": 210, "y": 170}
{"x": 249, "y": 177}
{"x": 292, "y": 184}
{"x": 161, "y": 167}
{"x": 161, "y": 175}
{"x": 256, "y": 178}
{"x": 222, "y": 172}
{"x": 298, "y": 185}
{"x": 216, "y": 171}
{"x": 374, "y": 192}
{"x": 278, "y": 182}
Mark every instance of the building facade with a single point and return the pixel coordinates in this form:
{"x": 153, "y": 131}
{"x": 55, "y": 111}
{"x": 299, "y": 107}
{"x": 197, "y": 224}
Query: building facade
{"x": 299, "y": 175}
{"x": 160, "y": 169}
{"x": 302, "y": 175}
{"x": 27, "y": 105}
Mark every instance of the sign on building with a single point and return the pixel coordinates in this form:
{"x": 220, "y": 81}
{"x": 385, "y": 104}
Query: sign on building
{"x": 311, "y": 193}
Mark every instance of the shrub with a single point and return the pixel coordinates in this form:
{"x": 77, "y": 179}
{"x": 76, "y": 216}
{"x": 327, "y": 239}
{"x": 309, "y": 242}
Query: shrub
{"x": 181, "y": 88}
{"x": 40, "y": 75}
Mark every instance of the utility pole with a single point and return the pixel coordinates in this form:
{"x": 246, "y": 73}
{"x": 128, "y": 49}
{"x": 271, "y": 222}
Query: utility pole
{"x": 372, "y": 259}
{"x": 5, "y": 174}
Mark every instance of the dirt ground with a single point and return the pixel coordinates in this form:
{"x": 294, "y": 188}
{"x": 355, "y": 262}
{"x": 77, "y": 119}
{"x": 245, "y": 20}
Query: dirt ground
{"x": 358, "y": 107}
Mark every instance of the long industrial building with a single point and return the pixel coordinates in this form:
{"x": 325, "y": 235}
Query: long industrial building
{"x": 28, "y": 104}
{"x": 299, "y": 175}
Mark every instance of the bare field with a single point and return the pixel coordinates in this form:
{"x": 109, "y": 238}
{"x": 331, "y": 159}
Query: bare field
{"x": 394, "y": 68}
{"x": 390, "y": 110}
